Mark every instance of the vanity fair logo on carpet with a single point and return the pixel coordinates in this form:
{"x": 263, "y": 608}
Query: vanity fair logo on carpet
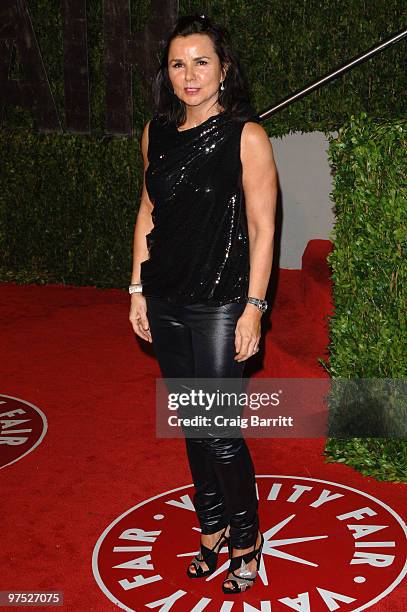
{"x": 327, "y": 547}
{"x": 22, "y": 428}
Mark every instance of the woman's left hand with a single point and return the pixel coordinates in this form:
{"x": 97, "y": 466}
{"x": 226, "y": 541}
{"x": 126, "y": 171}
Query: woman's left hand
{"x": 247, "y": 333}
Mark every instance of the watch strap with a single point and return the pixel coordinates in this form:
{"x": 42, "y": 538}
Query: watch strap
{"x": 261, "y": 304}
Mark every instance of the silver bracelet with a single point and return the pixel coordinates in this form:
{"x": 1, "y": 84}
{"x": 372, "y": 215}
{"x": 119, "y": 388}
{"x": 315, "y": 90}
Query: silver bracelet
{"x": 136, "y": 288}
{"x": 261, "y": 304}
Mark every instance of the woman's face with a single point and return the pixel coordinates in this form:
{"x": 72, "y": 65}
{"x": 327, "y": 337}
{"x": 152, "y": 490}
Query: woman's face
{"x": 194, "y": 69}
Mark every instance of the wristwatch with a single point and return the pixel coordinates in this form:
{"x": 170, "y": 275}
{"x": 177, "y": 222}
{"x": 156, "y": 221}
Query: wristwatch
{"x": 261, "y": 304}
{"x": 136, "y": 288}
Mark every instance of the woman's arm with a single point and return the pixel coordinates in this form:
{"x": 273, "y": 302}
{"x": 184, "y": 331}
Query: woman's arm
{"x": 260, "y": 185}
{"x": 144, "y": 224}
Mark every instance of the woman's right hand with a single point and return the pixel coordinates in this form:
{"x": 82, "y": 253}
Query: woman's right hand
{"x": 138, "y": 316}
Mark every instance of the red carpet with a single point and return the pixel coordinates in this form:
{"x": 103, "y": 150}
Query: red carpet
{"x": 71, "y": 353}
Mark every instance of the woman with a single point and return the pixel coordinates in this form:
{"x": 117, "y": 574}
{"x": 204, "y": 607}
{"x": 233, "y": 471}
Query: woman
{"x": 203, "y": 249}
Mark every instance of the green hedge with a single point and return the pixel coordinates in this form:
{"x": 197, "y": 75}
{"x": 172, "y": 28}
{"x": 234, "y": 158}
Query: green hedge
{"x": 67, "y": 208}
{"x": 368, "y": 330}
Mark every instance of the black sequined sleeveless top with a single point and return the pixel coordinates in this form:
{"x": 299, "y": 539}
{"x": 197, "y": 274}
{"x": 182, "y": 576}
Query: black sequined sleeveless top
{"x": 198, "y": 247}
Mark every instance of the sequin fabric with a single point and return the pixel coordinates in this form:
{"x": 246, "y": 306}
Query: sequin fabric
{"x": 198, "y": 248}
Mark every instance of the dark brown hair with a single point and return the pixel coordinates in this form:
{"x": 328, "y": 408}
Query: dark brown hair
{"x": 235, "y": 98}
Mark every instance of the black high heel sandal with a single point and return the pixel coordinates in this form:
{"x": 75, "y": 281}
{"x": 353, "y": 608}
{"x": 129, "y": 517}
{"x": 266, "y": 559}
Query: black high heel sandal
{"x": 209, "y": 556}
{"x": 244, "y": 579}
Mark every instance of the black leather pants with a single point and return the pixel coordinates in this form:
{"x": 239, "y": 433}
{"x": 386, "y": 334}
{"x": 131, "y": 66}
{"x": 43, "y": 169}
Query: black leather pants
{"x": 198, "y": 341}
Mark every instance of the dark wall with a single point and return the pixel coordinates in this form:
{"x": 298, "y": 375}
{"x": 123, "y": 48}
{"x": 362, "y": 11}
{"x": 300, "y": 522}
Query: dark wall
{"x": 122, "y": 51}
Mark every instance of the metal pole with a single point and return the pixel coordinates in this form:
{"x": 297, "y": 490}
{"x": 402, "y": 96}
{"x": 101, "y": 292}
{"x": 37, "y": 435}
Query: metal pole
{"x": 332, "y": 75}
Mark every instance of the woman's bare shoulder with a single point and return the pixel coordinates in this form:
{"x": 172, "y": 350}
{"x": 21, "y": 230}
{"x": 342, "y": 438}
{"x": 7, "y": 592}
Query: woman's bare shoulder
{"x": 256, "y": 150}
{"x": 254, "y": 134}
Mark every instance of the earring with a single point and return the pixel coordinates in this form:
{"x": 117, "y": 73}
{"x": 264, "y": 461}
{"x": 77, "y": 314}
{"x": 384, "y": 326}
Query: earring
{"x": 222, "y": 87}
